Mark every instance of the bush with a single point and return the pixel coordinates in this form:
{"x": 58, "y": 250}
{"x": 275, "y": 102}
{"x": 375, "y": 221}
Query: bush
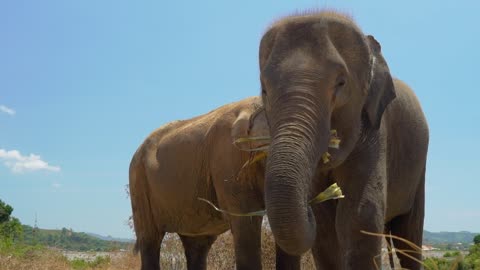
{"x": 80, "y": 264}
{"x": 9, "y": 247}
{"x": 10, "y": 227}
{"x": 476, "y": 240}
{"x": 445, "y": 264}
{"x": 472, "y": 260}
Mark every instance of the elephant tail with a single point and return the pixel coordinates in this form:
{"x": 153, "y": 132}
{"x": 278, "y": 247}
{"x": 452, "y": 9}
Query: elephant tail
{"x": 144, "y": 225}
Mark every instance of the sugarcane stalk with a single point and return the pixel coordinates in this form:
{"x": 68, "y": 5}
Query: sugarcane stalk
{"x": 333, "y": 192}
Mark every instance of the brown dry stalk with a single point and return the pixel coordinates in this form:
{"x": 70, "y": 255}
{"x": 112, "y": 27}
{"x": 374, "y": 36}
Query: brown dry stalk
{"x": 417, "y": 249}
{"x": 259, "y": 213}
{"x": 333, "y": 192}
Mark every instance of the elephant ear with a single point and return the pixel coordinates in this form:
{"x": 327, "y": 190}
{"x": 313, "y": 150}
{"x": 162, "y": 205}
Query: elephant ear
{"x": 258, "y": 124}
{"x": 381, "y": 90}
{"x": 266, "y": 47}
{"x": 250, "y": 123}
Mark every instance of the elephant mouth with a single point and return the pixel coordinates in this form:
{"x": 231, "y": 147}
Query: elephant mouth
{"x": 263, "y": 143}
{"x": 333, "y": 192}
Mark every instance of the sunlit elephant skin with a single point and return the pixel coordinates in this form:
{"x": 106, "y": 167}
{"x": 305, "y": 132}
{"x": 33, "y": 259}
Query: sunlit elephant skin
{"x": 196, "y": 158}
{"x": 320, "y": 72}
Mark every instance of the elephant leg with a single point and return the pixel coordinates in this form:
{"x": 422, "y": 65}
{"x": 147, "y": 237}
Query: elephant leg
{"x": 286, "y": 261}
{"x": 196, "y": 250}
{"x": 247, "y": 240}
{"x": 150, "y": 253}
{"x": 410, "y": 227}
{"x": 363, "y": 181}
{"x": 360, "y": 251}
{"x": 325, "y": 251}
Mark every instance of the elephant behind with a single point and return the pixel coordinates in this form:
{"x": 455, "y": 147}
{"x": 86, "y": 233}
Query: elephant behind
{"x": 196, "y": 158}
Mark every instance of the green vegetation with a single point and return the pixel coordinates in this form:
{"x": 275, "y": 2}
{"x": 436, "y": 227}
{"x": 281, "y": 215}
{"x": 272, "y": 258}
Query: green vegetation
{"x": 455, "y": 260}
{"x": 67, "y": 239}
{"x": 10, "y": 227}
{"x": 83, "y": 264}
{"x": 472, "y": 260}
{"x": 449, "y": 254}
{"x": 448, "y": 237}
{"x": 476, "y": 240}
{"x": 20, "y": 239}
{"x": 11, "y": 234}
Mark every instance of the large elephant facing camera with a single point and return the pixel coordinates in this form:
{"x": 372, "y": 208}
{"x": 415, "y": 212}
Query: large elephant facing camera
{"x": 320, "y": 72}
{"x": 195, "y": 158}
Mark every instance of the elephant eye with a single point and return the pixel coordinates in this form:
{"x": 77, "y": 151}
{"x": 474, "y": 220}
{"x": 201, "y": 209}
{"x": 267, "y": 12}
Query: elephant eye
{"x": 340, "y": 82}
{"x": 341, "y": 95}
{"x": 264, "y": 92}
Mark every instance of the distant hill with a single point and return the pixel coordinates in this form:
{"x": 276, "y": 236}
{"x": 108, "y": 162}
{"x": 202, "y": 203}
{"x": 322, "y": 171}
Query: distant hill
{"x": 69, "y": 240}
{"x": 78, "y": 241}
{"x": 448, "y": 237}
{"x": 110, "y": 238}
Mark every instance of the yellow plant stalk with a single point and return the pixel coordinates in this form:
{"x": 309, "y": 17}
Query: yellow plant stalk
{"x": 333, "y": 192}
{"x": 326, "y": 157}
{"x": 334, "y": 141}
{"x": 250, "y": 214}
{"x": 252, "y": 139}
{"x": 257, "y": 157}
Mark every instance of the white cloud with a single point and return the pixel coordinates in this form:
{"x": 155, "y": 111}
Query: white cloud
{"x": 7, "y": 110}
{"x": 56, "y": 185}
{"x": 18, "y": 163}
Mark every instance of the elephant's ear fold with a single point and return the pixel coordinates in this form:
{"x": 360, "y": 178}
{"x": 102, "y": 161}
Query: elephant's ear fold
{"x": 250, "y": 123}
{"x": 381, "y": 90}
{"x": 240, "y": 126}
{"x": 258, "y": 124}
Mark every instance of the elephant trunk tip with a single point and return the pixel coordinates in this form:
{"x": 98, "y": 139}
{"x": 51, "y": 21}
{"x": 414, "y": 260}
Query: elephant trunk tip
{"x": 297, "y": 238}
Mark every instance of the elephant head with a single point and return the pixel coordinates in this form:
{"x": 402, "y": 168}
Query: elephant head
{"x": 318, "y": 72}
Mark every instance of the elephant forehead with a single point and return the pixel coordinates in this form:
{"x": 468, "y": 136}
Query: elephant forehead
{"x": 298, "y": 59}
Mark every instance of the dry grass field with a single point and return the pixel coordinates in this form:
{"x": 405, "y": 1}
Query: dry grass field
{"x": 221, "y": 256}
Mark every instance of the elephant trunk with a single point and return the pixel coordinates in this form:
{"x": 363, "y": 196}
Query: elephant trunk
{"x": 300, "y": 135}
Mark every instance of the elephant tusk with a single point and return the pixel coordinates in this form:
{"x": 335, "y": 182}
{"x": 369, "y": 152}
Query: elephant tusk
{"x": 333, "y": 192}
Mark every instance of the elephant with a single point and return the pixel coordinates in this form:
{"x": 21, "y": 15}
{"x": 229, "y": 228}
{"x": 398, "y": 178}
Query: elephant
{"x": 318, "y": 72}
{"x": 195, "y": 158}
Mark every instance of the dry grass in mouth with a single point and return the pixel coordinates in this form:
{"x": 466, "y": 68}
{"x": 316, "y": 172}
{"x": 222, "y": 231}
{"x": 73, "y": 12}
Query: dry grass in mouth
{"x": 333, "y": 192}
{"x": 261, "y": 150}
{"x": 259, "y": 153}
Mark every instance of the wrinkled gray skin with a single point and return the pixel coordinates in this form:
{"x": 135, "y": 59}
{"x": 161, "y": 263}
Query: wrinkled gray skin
{"x": 320, "y": 72}
{"x": 193, "y": 158}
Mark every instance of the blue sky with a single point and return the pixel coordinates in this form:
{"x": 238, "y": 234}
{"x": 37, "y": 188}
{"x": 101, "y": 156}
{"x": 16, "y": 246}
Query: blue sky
{"x": 82, "y": 83}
